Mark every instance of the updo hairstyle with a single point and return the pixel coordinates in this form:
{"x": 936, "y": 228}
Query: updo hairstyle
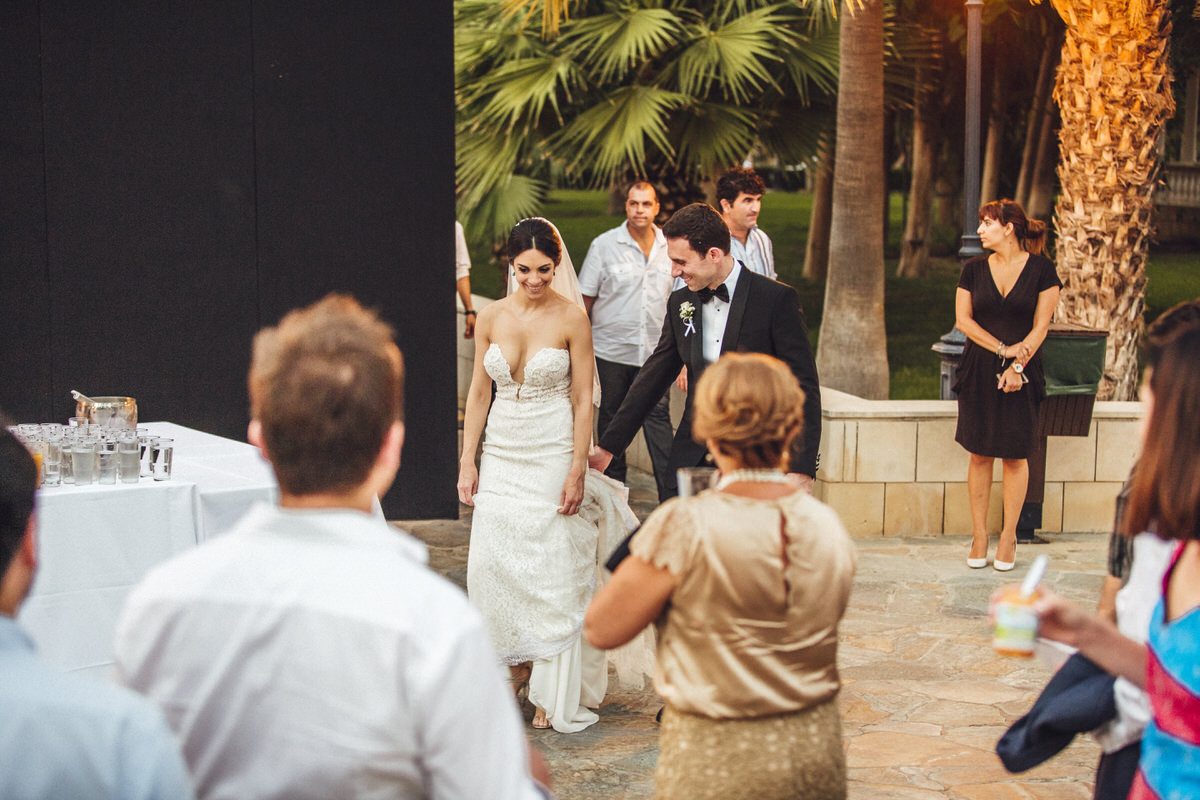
{"x": 1031, "y": 233}
{"x": 534, "y": 233}
{"x": 751, "y": 406}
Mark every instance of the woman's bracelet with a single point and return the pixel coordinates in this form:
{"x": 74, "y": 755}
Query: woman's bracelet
{"x": 470, "y": 311}
{"x": 1000, "y": 348}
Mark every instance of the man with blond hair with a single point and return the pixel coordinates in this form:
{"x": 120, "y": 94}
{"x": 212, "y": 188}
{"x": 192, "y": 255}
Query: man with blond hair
{"x": 309, "y": 653}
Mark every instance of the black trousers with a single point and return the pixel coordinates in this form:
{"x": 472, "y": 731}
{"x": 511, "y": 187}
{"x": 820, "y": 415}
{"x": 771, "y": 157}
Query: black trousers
{"x": 1115, "y": 772}
{"x": 615, "y": 380}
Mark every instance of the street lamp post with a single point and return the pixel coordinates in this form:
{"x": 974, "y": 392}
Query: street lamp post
{"x": 950, "y": 348}
{"x": 970, "y": 237}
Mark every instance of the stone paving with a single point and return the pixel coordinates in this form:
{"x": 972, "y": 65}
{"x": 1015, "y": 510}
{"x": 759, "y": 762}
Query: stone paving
{"x": 924, "y": 698}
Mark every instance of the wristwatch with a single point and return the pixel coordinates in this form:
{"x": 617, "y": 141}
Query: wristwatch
{"x": 1018, "y": 367}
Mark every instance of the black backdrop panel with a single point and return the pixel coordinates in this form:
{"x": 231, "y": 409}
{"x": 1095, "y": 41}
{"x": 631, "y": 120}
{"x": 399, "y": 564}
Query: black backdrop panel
{"x": 355, "y": 163}
{"x": 176, "y": 175}
{"x": 25, "y": 315}
{"x": 149, "y": 179}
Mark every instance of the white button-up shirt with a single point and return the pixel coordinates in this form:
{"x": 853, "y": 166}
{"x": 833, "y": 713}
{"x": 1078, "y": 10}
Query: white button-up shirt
{"x": 715, "y": 316}
{"x": 757, "y": 253}
{"x": 462, "y": 257}
{"x": 631, "y": 292}
{"x": 310, "y": 654}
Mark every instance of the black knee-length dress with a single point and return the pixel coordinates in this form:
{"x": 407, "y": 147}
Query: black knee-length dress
{"x": 991, "y": 422}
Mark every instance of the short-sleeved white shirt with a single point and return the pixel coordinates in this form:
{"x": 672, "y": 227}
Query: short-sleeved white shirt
{"x": 631, "y": 292}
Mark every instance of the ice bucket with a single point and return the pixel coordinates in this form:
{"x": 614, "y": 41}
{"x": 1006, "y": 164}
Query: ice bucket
{"x": 109, "y": 412}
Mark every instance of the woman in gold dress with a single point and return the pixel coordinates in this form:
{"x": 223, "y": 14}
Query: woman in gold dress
{"x": 747, "y": 582}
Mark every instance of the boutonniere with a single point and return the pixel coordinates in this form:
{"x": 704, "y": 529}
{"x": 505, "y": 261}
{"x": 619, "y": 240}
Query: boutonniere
{"x": 686, "y": 310}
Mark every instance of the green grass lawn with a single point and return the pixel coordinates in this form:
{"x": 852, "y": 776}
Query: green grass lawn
{"x": 918, "y": 311}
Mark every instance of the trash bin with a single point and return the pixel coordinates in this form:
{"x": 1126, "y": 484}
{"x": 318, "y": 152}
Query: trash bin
{"x": 1073, "y": 361}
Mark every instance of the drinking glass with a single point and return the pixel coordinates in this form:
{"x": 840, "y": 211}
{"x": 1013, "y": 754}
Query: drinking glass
{"x": 145, "y": 453}
{"x": 66, "y": 469}
{"x": 83, "y": 461}
{"x": 107, "y": 452}
{"x": 37, "y": 449}
{"x": 693, "y": 480}
{"x": 128, "y": 461}
{"x": 52, "y": 461}
{"x": 161, "y": 455}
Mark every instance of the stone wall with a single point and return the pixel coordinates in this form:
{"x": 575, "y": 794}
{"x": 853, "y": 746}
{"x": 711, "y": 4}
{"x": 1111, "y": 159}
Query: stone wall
{"x": 892, "y": 467}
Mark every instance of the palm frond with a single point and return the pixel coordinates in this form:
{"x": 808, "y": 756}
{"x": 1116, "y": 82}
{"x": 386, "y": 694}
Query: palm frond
{"x": 733, "y": 56}
{"x": 713, "y": 135}
{"x": 812, "y": 65}
{"x": 614, "y": 43}
{"x": 520, "y": 90}
{"x": 500, "y": 208}
{"x": 615, "y": 131}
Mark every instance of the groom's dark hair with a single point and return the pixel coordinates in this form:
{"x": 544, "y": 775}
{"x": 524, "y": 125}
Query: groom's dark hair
{"x": 326, "y": 386}
{"x": 701, "y": 225}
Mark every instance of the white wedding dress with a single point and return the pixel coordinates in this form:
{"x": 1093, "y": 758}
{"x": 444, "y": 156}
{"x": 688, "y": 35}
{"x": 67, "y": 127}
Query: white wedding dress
{"x": 530, "y": 570}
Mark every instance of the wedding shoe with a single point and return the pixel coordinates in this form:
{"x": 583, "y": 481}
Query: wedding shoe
{"x": 978, "y": 563}
{"x": 1003, "y": 566}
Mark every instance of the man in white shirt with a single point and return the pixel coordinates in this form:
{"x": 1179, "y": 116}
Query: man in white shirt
{"x": 740, "y": 192}
{"x": 625, "y": 280}
{"x": 462, "y": 279}
{"x": 309, "y": 653}
{"x": 63, "y": 736}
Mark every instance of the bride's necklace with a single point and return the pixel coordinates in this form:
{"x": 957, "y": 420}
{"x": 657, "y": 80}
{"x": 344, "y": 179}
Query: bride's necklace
{"x": 752, "y": 476}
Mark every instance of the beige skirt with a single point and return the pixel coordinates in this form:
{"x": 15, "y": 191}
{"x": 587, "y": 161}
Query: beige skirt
{"x": 795, "y": 756}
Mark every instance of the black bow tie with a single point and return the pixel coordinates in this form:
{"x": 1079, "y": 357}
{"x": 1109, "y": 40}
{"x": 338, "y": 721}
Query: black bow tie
{"x": 707, "y": 294}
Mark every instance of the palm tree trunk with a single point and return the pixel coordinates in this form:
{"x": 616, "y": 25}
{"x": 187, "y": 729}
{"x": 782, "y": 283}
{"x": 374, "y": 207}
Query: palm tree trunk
{"x": 852, "y": 353}
{"x": 1035, "y": 122}
{"x": 816, "y": 250}
{"x": 989, "y": 184}
{"x": 914, "y": 244}
{"x": 1114, "y": 93}
{"x": 1045, "y": 161}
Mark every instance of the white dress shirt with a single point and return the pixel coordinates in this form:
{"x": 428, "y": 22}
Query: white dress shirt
{"x": 631, "y": 291}
{"x": 715, "y": 315}
{"x": 462, "y": 258}
{"x": 311, "y": 654}
{"x": 757, "y": 253}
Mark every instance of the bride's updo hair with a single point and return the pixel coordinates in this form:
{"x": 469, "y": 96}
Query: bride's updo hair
{"x": 751, "y": 406}
{"x": 534, "y": 233}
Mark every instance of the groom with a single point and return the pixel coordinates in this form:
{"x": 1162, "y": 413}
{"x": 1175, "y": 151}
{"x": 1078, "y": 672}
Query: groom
{"x": 723, "y": 308}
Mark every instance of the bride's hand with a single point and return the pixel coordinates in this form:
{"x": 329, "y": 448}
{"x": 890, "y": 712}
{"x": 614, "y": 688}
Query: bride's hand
{"x": 572, "y": 495}
{"x": 468, "y": 483}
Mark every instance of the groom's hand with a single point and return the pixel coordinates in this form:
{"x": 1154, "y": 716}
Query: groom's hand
{"x": 599, "y": 459}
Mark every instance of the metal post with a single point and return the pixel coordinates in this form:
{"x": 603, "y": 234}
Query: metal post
{"x": 950, "y": 347}
{"x": 971, "y": 178}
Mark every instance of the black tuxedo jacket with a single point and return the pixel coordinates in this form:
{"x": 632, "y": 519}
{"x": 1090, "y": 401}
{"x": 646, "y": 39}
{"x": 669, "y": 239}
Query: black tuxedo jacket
{"x": 764, "y": 317}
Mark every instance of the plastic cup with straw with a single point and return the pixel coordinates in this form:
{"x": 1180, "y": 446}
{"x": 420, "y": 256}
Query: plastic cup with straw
{"x": 1015, "y": 632}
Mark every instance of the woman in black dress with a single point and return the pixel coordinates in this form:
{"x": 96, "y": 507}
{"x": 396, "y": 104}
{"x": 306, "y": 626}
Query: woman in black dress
{"x": 1004, "y": 305}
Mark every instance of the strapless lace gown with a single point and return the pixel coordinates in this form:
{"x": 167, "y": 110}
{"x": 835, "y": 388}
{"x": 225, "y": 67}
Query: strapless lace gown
{"x": 530, "y": 570}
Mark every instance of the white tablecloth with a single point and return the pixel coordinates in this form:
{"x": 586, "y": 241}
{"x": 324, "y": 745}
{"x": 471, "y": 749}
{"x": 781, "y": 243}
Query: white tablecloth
{"x": 96, "y": 542}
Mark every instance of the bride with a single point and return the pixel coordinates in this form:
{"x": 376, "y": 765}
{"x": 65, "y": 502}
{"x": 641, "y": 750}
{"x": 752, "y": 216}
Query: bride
{"x": 532, "y": 561}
